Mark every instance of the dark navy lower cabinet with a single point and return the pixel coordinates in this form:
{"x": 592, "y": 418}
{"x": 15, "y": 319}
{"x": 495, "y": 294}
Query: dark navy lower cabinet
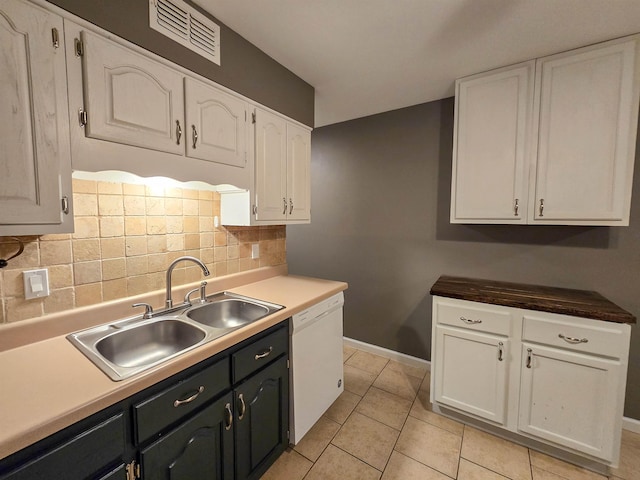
{"x": 225, "y": 418}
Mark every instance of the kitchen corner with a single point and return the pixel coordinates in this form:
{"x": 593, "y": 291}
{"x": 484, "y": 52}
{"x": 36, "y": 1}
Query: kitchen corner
{"x": 48, "y": 384}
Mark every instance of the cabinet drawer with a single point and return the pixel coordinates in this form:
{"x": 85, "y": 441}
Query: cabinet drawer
{"x": 91, "y": 451}
{"x": 474, "y": 316}
{"x": 158, "y": 412}
{"x": 259, "y": 353}
{"x": 582, "y": 335}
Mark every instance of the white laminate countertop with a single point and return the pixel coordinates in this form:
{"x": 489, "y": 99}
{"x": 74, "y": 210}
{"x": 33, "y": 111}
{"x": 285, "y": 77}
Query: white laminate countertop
{"x": 48, "y": 385}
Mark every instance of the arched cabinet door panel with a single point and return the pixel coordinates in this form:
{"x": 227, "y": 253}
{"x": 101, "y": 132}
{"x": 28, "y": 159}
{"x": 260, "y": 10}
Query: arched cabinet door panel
{"x": 35, "y": 161}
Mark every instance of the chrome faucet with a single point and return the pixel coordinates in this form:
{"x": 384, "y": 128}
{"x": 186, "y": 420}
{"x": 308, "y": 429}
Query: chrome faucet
{"x": 205, "y": 270}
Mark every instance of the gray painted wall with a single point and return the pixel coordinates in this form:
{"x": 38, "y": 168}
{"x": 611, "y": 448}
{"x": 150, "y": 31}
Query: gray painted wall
{"x": 244, "y": 68}
{"x": 380, "y": 221}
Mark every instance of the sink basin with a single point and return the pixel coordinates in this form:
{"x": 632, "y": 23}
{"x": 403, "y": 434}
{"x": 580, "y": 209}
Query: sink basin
{"x": 149, "y": 343}
{"x": 130, "y": 346}
{"x": 228, "y": 313}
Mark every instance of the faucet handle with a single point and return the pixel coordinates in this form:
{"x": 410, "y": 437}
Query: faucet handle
{"x": 148, "y": 309}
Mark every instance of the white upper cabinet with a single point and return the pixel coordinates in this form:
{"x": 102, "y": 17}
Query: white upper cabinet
{"x": 559, "y": 149}
{"x": 490, "y": 184}
{"x": 271, "y": 166}
{"x": 281, "y": 194}
{"x": 216, "y": 124}
{"x": 586, "y": 113}
{"x": 130, "y": 98}
{"x": 35, "y": 161}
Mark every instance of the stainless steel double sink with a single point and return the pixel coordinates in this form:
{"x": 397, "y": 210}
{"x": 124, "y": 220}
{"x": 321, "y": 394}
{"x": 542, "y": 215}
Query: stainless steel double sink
{"x": 130, "y": 346}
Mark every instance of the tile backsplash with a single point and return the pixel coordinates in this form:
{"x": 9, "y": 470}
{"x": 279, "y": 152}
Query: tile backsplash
{"x": 126, "y": 235}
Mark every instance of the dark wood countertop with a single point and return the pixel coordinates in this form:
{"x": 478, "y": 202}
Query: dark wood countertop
{"x": 579, "y": 303}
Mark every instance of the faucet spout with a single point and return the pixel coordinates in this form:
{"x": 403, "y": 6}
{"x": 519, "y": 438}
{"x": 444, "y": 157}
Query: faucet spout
{"x": 197, "y": 261}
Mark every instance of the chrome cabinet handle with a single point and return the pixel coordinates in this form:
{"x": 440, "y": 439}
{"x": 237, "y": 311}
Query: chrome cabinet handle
{"x": 65, "y": 205}
{"x": 55, "y": 38}
{"x": 284, "y": 202}
{"x": 469, "y": 321}
{"x": 229, "y": 420}
{"x": 500, "y": 345}
{"x": 177, "y": 403}
{"x": 243, "y": 407}
{"x": 264, "y": 354}
{"x": 290, "y": 205}
{"x": 178, "y": 132}
{"x": 541, "y": 207}
{"x": 515, "y": 208}
{"x": 573, "y": 339}
{"x": 529, "y": 355}
{"x": 194, "y": 135}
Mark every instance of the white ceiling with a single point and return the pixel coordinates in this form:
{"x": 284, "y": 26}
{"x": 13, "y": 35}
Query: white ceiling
{"x": 369, "y": 56}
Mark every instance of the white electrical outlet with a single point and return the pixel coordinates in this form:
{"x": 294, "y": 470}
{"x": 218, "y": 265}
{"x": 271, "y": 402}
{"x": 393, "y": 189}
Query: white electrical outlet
{"x": 36, "y": 283}
{"x": 255, "y": 250}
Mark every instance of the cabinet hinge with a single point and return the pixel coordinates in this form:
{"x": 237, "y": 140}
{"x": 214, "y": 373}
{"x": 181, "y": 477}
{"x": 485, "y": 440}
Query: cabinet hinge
{"x": 83, "y": 117}
{"x": 55, "y": 38}
{"x": 253, "y": 117}
{"x": 78, "y": 47}
{"x": 133, "y": 470}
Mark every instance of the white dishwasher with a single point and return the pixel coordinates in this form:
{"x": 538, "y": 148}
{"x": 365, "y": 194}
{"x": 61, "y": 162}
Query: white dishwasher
{"x": 316, "y": 363}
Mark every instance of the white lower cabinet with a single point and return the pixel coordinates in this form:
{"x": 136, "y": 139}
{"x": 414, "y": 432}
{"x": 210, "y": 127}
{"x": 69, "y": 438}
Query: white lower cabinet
{"x": 479, "y": 385}
{"x": 567, "y": 398}
{"x": 555, "y": 379}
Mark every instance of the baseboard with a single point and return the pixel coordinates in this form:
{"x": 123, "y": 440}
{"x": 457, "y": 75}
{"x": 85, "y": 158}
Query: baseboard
{"x": 386, "y": 353}
{"x": 631, "y": 424}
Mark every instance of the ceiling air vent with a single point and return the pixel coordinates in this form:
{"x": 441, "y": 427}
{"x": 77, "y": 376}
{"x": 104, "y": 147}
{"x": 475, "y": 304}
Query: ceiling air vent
{"x": 182, "y": 23}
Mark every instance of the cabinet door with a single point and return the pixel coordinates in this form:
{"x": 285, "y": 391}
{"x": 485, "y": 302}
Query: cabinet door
{"x": 491, "y": 146}
{"x": 587, "y": 118}
{"x": 471, "y": 372}
{"x": 271, "y": 166}
{"x": 35, "y": 160}
{"x": 200, "y": 448}
{"x": 216, "y": 124}
{"x": 298, "y": 172}
{"x": 131, "y": 99}
{"x": 262, "y": 419}
{"x": 570, "y": 398}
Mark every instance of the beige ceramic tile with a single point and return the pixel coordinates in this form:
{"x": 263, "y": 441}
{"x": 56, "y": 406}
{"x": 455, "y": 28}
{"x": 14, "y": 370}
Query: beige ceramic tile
{"x": 430, "y": 445}
{"x": 316, "y": 440}
{"x": 347, "y": 352}
{"x": 335, "y": 464}
{"x": 86, "y": 227}
{"x": 137, "y": 285}
{"x": 112, "y": 247}
{"x": 290, "y": 465}
{"x": 173, "y": 206}
{"x": 87, "y": 272}
{"x": 137, "y": 265}
{"x": 471, "y": 471}
{"x": 21, "y": 309}
{"x": 59, "y": 300}
{"x": 629, "y": 467}
{"x": 175, "y": 224}
{"x": 366, "y": 439}
{"x": 401, "y": 467}
{"x": 496, "y": 454}
{"x": 562, "y": 468}
{"x": 85, "y": 249}
{"x": 156, "y": 225}
{"x": 89, "y": 294}
{"x": 55, "y": 253}
{"x": 368, "y": 362}
{"x": 135, "y": 246}
{"x": 413, "y": 370}
{"x": 421, "y": 409}
{"x": 154, "y": 205}
{"x": 134, "y": 205}
{"x": 110, "y": 205}
{"x": 29, "y": 258}
{"x": 111, "y": 227}
{"x": 60, "y": 276}
{"x": 175, "y": 242}
{"x": 398, "y": 383}
{"x": 384, "y": 407}
{"x": 190, "y": 208}
{"x": 113, "y": 289}
{"x": 12, "y": 283}
{"x": 113, "y": 268}
{"x": 426, "y": 383}
{"x": 340, "y": 410}
{"x": 539, "y": 474}
{"x": 357, "y": 381}
{"x": 110, "y": 188}
{"x": 133, "y": 189}
{"x": 85, "y": 204}
{"x": 84, "y": 186}
{"x": 156, "y": 243}
{"x": 135, "y": 225}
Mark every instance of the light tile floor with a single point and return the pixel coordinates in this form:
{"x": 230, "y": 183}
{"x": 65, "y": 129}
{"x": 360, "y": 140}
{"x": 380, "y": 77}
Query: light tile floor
{"x": 382, "y": 428}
